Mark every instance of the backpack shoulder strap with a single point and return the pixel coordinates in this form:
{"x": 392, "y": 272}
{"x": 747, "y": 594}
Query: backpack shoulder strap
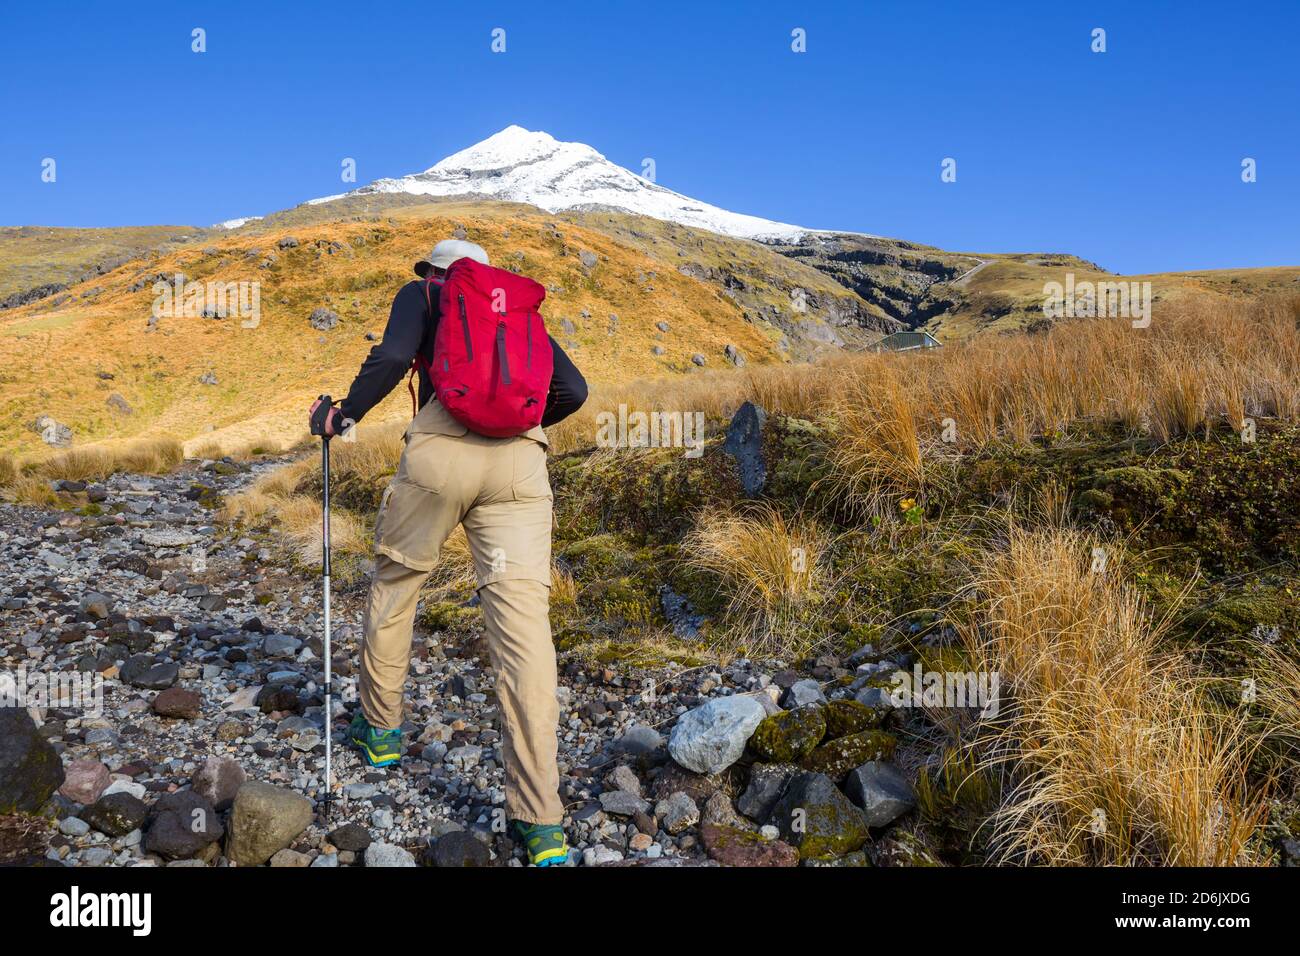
{"x": 420, "y": 362}
{"x": 429, "y": 283}
{"x": 428, "y": 292}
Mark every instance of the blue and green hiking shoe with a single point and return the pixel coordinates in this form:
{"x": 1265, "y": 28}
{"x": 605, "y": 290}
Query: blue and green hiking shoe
{"x": 545, "y": 844}
{"x": 381, "y": 748}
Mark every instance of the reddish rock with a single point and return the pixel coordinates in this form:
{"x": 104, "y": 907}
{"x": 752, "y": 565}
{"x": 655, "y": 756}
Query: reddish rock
{"x": 732, "y": 847}
{"x": 178, "y": 702}
{"x": 85, "y": 781}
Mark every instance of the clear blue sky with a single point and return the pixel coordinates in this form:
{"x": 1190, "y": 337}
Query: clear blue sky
{"x": 1131, "y": 158}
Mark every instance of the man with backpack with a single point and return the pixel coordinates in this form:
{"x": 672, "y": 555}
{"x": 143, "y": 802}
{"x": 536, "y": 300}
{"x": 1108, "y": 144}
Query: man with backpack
{"x": 475, "y": 455}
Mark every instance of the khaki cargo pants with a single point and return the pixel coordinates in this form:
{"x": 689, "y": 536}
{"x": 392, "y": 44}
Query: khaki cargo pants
{"x": 498, "y": 489}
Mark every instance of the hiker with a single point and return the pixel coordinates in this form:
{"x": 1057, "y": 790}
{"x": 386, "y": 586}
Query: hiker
{"x": 498, "y": 490}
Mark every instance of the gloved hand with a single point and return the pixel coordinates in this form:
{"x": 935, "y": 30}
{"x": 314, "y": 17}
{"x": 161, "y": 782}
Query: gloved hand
{"x": 326, "y": 420}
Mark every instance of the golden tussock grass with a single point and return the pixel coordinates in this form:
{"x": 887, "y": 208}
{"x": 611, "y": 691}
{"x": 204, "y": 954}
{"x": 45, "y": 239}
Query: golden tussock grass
{"x": 455, "y": 569}
{"x": 375, "y": 452}
{"x": 880, "y": 450}
{"x": 773, "y": 570}
{"x": 267, "y": 494}
{"x": 899, "y": 417}
{"x": 28, "y": 482}
{"x": 29, "y": 490}
{"x": 151, "y": 456}
{"x": 1109, "y": 748}
{"x": 1277, "y": 691}
{"x": 300, "y": 522}
{"x": 244, "y": 451}
{"x": 564, "y": 588}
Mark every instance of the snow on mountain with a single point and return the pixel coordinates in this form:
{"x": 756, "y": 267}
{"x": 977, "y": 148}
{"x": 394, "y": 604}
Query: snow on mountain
{"x": 519, "y": 165}
{"x": 235, "y": 223}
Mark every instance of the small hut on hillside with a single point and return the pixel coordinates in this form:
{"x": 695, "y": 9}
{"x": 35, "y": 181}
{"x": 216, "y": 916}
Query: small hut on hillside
{"x": 906, "y": 341}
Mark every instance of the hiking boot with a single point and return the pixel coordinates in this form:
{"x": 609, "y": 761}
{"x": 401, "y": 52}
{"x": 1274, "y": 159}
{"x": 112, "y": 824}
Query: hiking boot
{"x": 381, "y": 748}
{"x": 545, "y": 843}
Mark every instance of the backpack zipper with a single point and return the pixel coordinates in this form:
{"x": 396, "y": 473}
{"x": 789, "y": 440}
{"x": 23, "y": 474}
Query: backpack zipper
{"x": 464, "y": 327}
{"x": 501, "y": 352}
{"x": 528, "y": 349}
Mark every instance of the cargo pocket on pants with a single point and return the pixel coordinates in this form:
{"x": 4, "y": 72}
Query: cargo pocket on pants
{"x": 404, "y": 530}
{"x": 531, "y": 480}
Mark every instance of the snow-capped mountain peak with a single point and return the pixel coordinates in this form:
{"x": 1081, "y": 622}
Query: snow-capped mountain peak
{"x": 513, "y": 147}
{"x": 526, "y": 166}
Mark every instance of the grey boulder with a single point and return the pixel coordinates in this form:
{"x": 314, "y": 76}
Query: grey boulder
{"x": 744, "y": 443}
{"x": 386, "y": 854}
{"x": 263, "y": 820}
{"x": 712, "y": 737}
{"x": 802, "y": 693}
{"x": 622, "y": 803}
{"x": 881, "y": 791}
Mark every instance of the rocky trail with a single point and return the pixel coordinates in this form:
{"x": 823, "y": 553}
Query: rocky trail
{"x": 166, "y": 673}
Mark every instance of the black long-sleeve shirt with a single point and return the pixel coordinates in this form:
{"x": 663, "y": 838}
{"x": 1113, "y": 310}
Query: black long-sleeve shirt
{"x": 410, "y": 329}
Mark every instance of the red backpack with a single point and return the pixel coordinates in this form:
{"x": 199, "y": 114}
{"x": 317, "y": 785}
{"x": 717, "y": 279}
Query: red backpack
{"x": 492, "y": 361}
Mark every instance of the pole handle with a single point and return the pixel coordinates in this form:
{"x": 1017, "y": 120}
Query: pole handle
{"x": 321, "y": 415}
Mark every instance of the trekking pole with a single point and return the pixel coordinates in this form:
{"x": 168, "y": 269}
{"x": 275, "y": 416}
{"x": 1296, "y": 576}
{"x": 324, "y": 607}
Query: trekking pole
{"x": 318, "y": 420}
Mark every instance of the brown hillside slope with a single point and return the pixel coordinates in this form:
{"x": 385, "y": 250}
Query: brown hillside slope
{"x": 67, "y": 354}
{"x": 32, "y": 256}
{"x": 1006, "y": 294}
{"x": 57, "y": 353}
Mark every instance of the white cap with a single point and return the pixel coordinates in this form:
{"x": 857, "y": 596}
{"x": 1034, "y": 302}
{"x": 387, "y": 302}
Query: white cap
{"x": 447, "y": 252}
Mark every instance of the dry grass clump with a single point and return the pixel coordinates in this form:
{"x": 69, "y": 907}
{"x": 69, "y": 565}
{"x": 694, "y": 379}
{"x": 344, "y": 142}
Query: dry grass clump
{"x": 215, "y": 450}
{"x": 454, "y": 572}
{"x": 1110, "y": 749}
{"x": 367, "y": 460}
{"x": 775, "y": 572}
{"x": 300, "y": 523}
{"x": 29, "y": 489}
{"x": 289, "y": 497}
{"x": 564, "y": 588}
{"x": 880, "y": 450}
{"x": 1277, "y": 691}
{"x": 267, "y": 494}
{"x": 29, "y": 482}
{"x": 373, "y": 455}
{"x": 152, "y": 456}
